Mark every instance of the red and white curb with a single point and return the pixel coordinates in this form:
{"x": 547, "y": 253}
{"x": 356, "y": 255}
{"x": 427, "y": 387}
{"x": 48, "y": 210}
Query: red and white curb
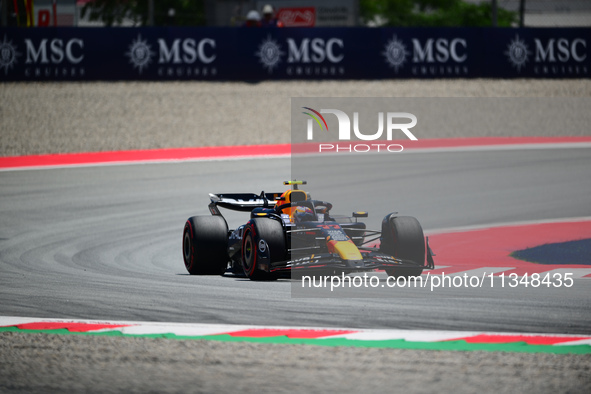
{"x": 172, "y": 155}
{"x": 487, "y": 249}
{"x": 251, "y": 331}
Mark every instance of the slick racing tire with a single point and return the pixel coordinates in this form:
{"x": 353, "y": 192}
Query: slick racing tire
{"x": 205, "y": 245}
{"x": 262, "y": 236}
{"x": 402, "y": 237}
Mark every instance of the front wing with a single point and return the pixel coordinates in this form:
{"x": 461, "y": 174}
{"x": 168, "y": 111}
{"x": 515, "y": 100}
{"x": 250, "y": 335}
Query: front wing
{"x": 372, "y": 260}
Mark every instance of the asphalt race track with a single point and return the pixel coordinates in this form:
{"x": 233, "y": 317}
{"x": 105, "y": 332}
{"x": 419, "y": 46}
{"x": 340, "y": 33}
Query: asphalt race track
{"x": 105, "y": 242}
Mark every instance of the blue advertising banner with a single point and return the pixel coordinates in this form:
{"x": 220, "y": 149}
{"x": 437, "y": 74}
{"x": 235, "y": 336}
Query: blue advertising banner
{"x": 38, "y": 54}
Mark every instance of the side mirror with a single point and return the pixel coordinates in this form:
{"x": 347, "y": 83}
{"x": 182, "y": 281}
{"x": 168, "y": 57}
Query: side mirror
{"x": 360, "y": 214}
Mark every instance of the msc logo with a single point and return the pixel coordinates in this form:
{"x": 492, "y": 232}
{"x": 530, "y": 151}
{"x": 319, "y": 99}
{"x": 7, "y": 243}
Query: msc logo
{"x": 315, "y": 50}
{"x": 269, "y": 53}
{"x": 518, "y": 53}
{"x": 140, "y": 54}
{"x": 395, "y": 121}
{"x": 70, "y": 50}
{"x": 8, "y": 55}
{"x": 434, "y": 56}
{"x": 186, "y": 51}
{"x": 554, "y": 56}
{"x": 395, "y": 53}
{"x": 46, "y": 57}
{"x": 308, "y": 56}
{"x": 440, "y": 50}
{"x": 176, "y": 58}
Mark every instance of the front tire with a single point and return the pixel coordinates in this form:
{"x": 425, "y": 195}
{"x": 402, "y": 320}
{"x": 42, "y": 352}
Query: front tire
{"x": 403, "y": 238}
{"x": 205, "y": 245}
{"x": 262, "y": 238}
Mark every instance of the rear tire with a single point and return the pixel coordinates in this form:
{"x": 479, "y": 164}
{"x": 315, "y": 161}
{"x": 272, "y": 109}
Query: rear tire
{"x": 403, "y": 238}
{"x": 262, "y": 236}
{"x": 205, "y": 245}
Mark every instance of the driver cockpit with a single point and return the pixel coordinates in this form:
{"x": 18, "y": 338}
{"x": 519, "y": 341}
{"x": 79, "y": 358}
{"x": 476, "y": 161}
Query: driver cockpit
{"x": 293, "y": 195}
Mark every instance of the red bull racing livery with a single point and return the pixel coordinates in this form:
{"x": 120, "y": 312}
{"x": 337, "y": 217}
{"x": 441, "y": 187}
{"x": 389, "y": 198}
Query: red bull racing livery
{"x": 290, "y": 233}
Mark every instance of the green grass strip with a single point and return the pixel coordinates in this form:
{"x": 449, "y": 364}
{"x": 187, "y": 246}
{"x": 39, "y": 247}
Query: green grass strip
{"x": 514, "y": 347}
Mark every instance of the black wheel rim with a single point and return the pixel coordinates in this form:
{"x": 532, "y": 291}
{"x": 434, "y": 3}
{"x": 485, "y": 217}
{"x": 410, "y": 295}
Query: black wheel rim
{"x": 187, "y": 249}
{"x": 248, "y": 252}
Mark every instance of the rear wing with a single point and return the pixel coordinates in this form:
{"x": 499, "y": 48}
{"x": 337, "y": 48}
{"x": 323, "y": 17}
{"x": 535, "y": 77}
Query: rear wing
{"x": 244, "y": 202}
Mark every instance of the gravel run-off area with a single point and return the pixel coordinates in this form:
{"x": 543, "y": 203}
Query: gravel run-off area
{"x": 38, "y": 118}
{"x": 70, "y": 363}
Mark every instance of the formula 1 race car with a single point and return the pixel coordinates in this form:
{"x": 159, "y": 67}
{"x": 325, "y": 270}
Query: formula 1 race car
{"x": 290, "y": 233}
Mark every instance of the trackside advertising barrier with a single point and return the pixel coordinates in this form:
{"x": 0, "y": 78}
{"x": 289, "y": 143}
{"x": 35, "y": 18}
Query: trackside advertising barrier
{"x": 46, "y": 54}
